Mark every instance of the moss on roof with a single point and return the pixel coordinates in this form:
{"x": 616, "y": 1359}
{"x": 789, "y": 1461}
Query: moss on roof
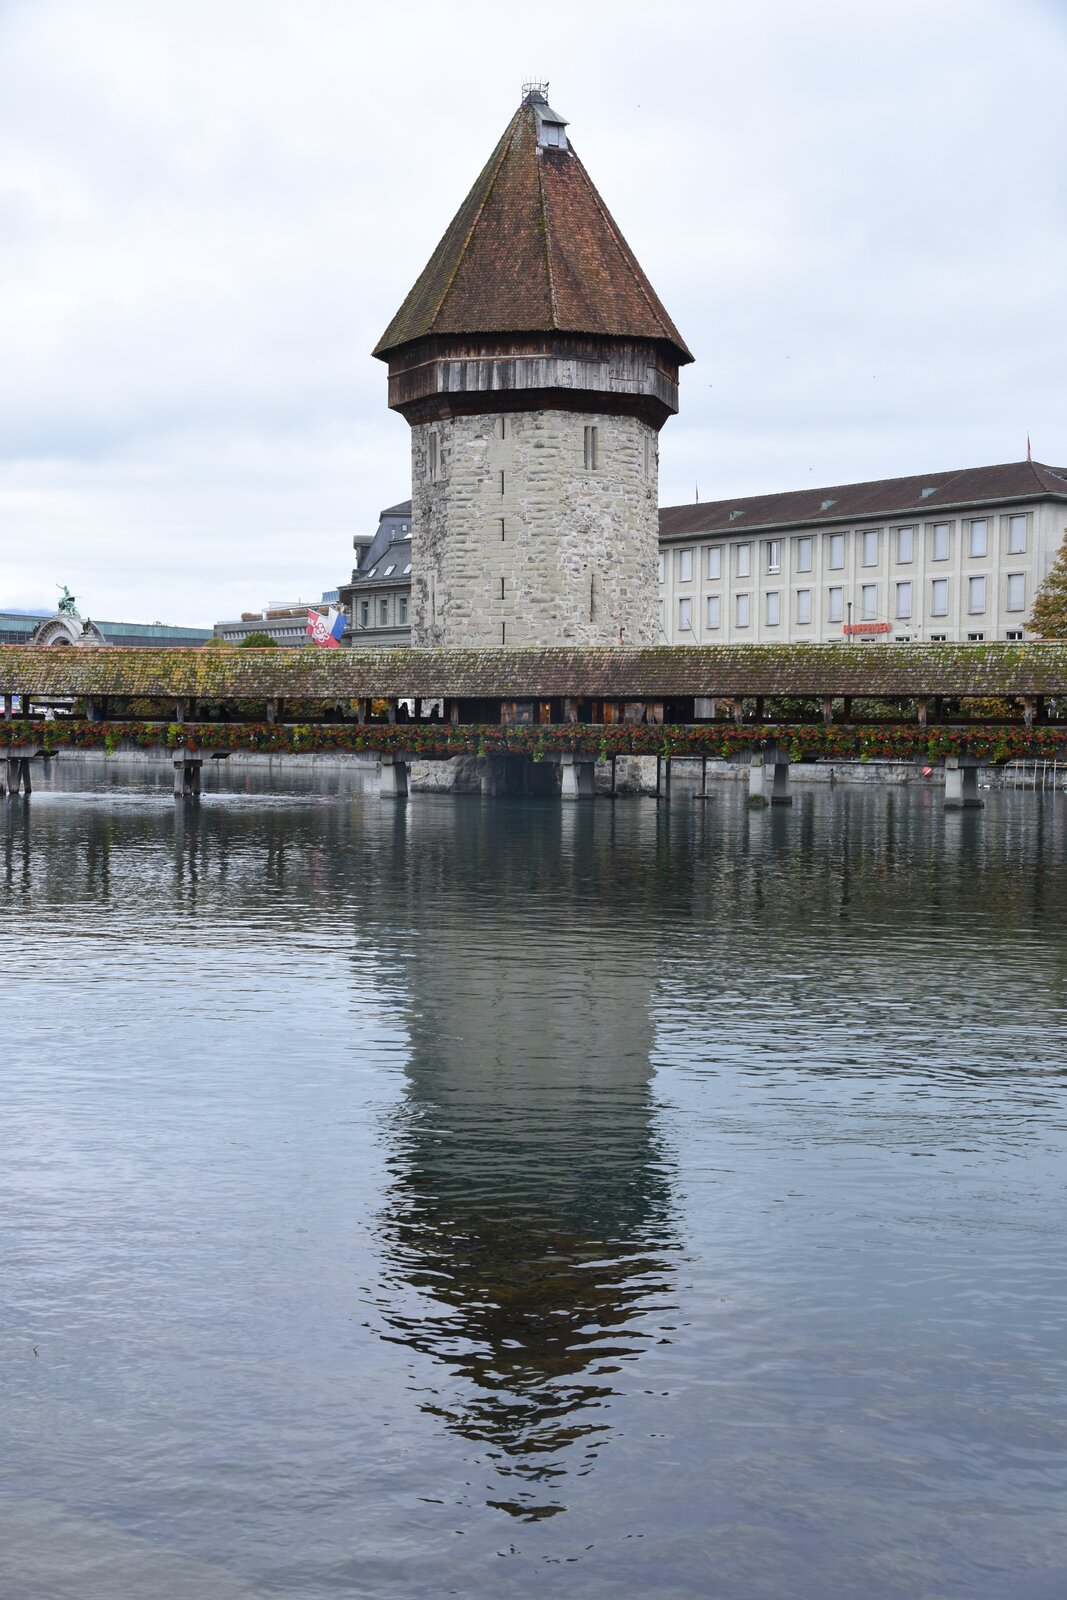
{"x": 330, "y": 675}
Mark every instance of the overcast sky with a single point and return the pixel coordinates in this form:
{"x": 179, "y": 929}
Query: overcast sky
{"x": 209, "y": 212}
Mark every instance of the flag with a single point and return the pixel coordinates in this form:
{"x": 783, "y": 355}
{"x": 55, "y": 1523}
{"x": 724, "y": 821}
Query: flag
{"x": 326, "y": 630}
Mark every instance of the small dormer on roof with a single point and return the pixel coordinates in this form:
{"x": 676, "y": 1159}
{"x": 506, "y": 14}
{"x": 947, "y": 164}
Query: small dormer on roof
{"x": 551, "y": 127}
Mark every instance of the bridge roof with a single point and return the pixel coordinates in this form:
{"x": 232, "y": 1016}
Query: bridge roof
{"x": 329, "y": 675}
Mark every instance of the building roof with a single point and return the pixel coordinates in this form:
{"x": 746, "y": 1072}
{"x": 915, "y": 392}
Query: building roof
{"x": 923, "y": 495}
{"x": 705, "y": 670}
{"x": 532, "y": 249}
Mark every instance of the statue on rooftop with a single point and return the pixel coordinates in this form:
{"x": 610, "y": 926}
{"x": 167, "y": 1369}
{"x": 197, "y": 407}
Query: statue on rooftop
{"x": 67, "y": 607}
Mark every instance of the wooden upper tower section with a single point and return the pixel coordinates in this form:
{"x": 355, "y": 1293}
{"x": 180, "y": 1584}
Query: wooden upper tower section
{"x": 533, "y": 298}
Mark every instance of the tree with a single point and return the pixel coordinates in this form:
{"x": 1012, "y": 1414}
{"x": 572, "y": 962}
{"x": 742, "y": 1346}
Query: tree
{"x": 258, "y": 641}
{"x": 1049, "y": 616}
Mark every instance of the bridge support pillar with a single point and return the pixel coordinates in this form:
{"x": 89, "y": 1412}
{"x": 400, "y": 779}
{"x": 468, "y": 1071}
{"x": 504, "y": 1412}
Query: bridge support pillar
{"x": 393, "y": 782}
{"x": 18, "y": 775}
{"x": 780, "y": 795}
{"x": 492, "y": 776}
{"x": 579, "y": 778}
{"x": 961, "y": 785}
{"x": 756, "y": 796}
{"x": 187, "y": 777}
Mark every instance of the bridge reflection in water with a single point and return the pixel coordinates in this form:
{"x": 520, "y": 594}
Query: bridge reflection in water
{"x": 527, "y": 1233}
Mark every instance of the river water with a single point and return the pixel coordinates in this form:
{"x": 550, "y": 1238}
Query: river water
{"x": 503, "y": 1199}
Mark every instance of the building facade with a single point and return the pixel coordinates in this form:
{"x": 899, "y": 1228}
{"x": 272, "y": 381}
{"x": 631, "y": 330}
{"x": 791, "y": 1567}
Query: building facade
{"x": 378, "y": 599}
{"x": 952, "y": 556}
{"x": 535, "y": 366}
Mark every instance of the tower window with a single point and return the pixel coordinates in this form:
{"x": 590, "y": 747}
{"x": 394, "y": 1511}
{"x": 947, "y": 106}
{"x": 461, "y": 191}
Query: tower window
{"x": 592, "y": 448}
{"x": 434, "y": 465}
{"x": 501, "y": 529}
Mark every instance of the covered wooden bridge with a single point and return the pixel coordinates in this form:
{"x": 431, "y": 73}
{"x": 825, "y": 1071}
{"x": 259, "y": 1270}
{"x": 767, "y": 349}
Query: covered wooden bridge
{"x": 964, "y": 704}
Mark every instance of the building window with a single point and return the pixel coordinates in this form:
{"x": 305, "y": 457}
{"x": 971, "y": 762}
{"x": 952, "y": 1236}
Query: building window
{"x": 978, "y": 542}
{"x": 975, "y": 638}
{"x": 905, "y": 546}
{"x": 383, "y": 613}
{"x": 402, "y": 611}
{"x": 773, "y": 609}
{"x": 939, "y": 541}
{"x": 743, "y": 559}
{"x": 648, "y": 456}
{"x": 662, "y": 566}
{"x": 364, "y": 613}
{"x": 975, "y": 595}
{"x": 713, "y": 561}
{"x": 939, "y": 597}
{"x": 836, "y": 552}
{"x": 434, "y": 458}
{"x": 592, "y": 447}
{"x": 685, "y": 566}
{"x": 804, "y": 555}
{"x": 938, "y": 638}
{"x": 834, "y": 604}
{"x": 903, "y": 601}
{"x": 803, "y": 605}
{"x": 742, "y": 611}
{"x": 870, "y": 549}
{"x": 685, "y": 616}
{"x": 714, "y": 611}
{"x": 1016, "y": 591}
{"x": 1014, "y": 635}
{"x": 774, "y": 555}
{"x": 1016, "y": 536}
{"x": 869, "y": 602}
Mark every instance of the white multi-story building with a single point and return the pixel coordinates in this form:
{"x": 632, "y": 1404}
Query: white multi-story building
{"x": 951, "y": 556}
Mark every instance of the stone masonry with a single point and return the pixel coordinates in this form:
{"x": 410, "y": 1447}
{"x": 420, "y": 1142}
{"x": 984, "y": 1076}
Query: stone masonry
{"x": 516, "y": 541}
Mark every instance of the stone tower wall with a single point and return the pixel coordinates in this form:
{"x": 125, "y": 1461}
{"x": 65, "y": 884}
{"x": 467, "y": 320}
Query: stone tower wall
{"x": 516, "y": 541}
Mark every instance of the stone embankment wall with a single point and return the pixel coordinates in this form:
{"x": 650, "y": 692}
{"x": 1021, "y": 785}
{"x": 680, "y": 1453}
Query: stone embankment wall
{"x": 516, "y": 541}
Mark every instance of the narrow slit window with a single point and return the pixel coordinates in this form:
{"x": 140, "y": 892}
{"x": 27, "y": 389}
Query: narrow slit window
{"x": 592, "y": 447}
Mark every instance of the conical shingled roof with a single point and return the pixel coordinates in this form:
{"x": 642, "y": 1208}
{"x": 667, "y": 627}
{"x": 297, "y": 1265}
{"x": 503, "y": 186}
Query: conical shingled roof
{"x": 532, "y": 249}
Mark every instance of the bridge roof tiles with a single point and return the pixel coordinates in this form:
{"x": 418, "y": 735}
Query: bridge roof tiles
{"x": 331, "y": 675}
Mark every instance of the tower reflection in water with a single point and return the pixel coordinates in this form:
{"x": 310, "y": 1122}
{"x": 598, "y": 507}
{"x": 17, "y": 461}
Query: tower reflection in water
{"x": 527, "y": 1231}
